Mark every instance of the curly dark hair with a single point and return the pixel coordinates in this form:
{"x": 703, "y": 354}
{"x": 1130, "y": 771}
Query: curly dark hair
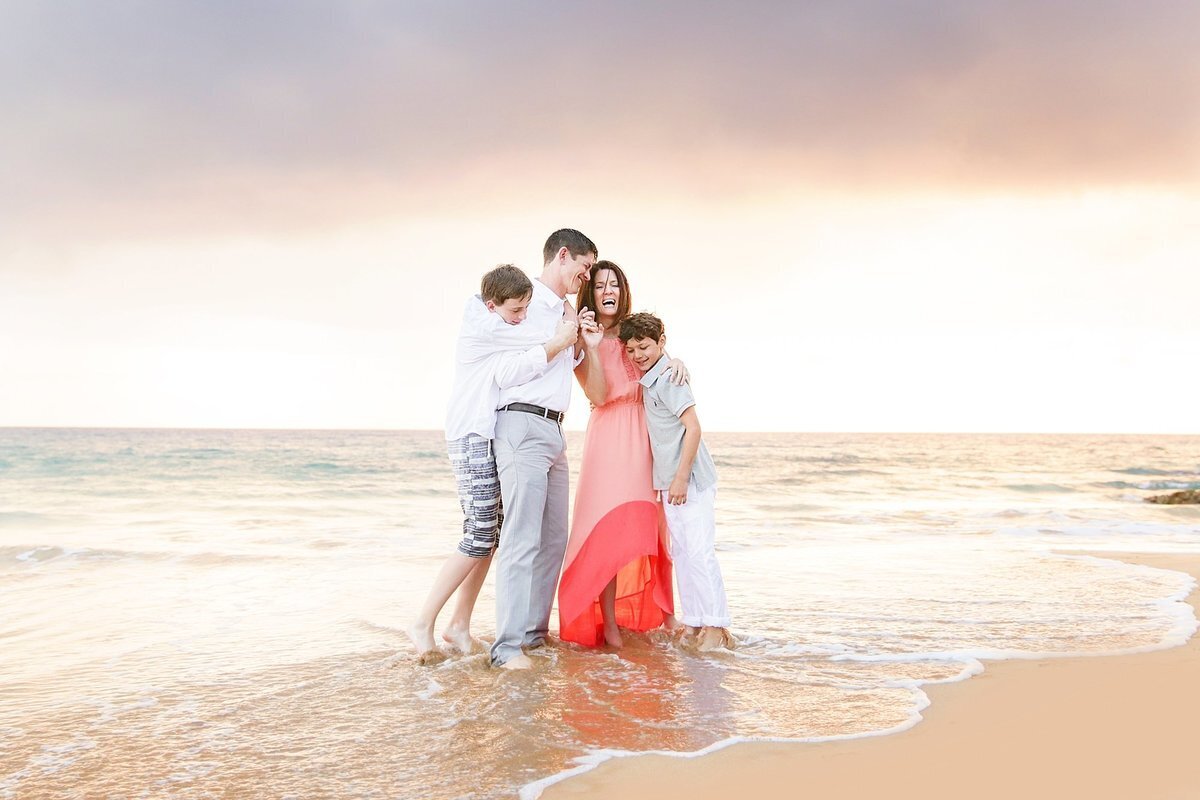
{"x": 641, "y": 326}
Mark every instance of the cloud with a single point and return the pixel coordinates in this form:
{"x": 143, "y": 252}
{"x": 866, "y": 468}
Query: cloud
{"x": 149, "y": 118}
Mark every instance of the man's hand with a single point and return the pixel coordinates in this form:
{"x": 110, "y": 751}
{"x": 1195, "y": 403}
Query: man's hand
{"x": 565, "y": 334}
{"x": 677, "y": 494}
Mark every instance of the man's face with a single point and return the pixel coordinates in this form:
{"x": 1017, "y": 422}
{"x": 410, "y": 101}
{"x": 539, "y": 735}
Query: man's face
{"x": 645, "y": 353}
{"x": 579, "y": 269}
{"x": 512, "y": 310}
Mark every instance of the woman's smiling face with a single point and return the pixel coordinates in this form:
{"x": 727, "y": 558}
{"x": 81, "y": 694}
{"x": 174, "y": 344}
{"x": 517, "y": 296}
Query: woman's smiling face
{"x": 606, "y": 294}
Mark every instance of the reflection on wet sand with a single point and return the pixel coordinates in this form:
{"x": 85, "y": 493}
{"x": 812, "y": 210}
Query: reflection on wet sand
{"x": 376, "y": 725}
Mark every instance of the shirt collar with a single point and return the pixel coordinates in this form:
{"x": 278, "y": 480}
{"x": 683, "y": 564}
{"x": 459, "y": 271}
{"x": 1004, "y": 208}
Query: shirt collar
{"x": 544, "y": 294}
{"x": 477, "y": 304}
{"x": 652, "y": 374}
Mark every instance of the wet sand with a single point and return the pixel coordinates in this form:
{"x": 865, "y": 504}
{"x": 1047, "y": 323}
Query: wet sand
{"x": 1100, "y": 727}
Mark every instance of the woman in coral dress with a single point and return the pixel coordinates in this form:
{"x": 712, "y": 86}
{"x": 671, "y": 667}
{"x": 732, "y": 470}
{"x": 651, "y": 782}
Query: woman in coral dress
{"x": 617, "y": 572}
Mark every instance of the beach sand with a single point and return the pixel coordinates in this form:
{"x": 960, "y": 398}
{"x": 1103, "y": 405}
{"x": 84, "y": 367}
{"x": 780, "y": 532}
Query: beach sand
{"x": 1119, "y": 727}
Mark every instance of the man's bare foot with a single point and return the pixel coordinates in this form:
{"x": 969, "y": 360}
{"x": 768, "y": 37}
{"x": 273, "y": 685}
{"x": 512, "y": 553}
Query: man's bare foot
{"x": 422, "y": 638}
{"x": 612, "y": 635}
{"x": 519, "y": 661}
{"x": 460, "y": 640}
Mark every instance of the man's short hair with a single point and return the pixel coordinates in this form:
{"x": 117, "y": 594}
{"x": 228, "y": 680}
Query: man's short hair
{"x": 504, "y": 283}
{"x": 576, "y": 243}
{"x": 641, "y": 326}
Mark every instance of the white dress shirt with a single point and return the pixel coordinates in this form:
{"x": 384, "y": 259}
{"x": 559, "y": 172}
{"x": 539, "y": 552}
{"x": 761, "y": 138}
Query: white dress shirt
{"x": 490, "y": 354}
{"x": 552, "y": 389}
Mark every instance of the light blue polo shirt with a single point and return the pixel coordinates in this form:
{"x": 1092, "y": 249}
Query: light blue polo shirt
{"x": 664, "y": 402}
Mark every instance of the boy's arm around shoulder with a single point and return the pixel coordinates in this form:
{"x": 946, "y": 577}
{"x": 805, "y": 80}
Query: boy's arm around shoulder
{"x": 516, "y": 367}
{"x": 484, "y": 333}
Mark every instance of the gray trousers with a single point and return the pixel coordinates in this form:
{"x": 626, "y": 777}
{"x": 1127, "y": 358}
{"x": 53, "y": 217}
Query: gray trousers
{"x": 531, "y": 459}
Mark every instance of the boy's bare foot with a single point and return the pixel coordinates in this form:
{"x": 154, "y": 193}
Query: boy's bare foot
{"x": 422, "y": 638}
{"x": 431, "y": 657}
{"x": 612, "y": 635}
{"x": 687, "y": 635}
{"x": 708, "y": 639}
{"x": 519, "y": 661}
{"x": 714, "y": 638}
{"x": 461, "y": 640}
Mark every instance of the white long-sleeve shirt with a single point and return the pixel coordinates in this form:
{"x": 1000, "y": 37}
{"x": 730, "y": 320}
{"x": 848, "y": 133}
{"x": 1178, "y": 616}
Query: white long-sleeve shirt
{"x": 490, "y": 354}
{"x": 552, "y": 388}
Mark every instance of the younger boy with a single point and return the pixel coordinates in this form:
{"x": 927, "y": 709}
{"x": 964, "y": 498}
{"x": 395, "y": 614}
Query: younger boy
{"x": 493, "y": 351}
{"x": 685, "y": 475}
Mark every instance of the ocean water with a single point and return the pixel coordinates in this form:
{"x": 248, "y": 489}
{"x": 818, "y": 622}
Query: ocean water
{"x": 204, "y": 614}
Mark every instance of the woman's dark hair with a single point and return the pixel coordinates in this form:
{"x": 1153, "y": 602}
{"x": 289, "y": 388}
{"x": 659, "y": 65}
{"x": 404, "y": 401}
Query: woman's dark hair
{"x": 587, "y": 292}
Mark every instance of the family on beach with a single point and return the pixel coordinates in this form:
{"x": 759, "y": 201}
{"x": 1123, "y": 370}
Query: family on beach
{"x": 647, "y": 484}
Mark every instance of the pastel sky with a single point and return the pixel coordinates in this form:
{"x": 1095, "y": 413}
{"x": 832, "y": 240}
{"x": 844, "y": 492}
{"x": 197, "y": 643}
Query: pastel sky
{"x": 853, "y": 216}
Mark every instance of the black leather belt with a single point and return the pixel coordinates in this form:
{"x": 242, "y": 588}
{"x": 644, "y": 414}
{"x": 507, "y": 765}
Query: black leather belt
{"x": 529, "y": 408}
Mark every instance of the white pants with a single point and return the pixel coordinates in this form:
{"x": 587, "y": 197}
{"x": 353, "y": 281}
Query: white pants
{"x": 693, "y": 550}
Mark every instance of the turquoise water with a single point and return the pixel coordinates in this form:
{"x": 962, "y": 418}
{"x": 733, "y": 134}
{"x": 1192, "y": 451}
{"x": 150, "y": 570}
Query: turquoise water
{"x": 198, "y": 613}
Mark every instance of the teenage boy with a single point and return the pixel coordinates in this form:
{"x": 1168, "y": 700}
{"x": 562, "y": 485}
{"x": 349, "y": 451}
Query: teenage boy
{"x": 494, "y": 351}
{"x": 685, "y": 476}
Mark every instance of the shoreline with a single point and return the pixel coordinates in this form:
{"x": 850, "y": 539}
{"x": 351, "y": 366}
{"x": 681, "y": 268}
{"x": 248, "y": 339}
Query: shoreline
{"x": 1105, "y": 726}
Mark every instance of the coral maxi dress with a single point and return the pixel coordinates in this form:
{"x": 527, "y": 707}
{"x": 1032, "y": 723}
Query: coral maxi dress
{"x": 618, "y": 526}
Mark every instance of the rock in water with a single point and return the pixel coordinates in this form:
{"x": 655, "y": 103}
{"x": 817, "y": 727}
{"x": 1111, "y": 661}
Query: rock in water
{"x": 1176, "y": 498}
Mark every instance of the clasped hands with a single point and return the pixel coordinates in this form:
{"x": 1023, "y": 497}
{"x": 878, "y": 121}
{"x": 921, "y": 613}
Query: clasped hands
{"x": 591, "y": 330}
{"x": 583, "y": 325}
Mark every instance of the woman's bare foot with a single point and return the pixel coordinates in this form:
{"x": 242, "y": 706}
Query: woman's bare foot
{"x": 461, "y": 640}
{"x": 519, "y": 661}
{"x": 671, "y": 623}
{"x": 612, "y": 635}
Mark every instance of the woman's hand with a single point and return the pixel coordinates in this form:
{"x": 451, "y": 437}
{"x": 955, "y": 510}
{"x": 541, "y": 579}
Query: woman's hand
{"x": 589, "y": 329}
{"x": 679, "y": 373}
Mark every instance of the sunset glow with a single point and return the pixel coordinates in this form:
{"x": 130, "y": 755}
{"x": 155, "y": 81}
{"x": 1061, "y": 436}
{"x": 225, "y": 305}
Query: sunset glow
{"x": 973, "y": 219}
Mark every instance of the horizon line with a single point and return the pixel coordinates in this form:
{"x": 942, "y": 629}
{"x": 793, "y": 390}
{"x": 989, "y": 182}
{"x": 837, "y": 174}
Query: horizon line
{"x": 581, "y": 430}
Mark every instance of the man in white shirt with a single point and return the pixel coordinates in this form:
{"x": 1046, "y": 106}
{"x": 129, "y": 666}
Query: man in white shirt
{"x": 531, "y": 460}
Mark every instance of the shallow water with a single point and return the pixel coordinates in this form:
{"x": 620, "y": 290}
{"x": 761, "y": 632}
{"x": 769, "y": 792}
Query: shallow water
{"x": 208, "y": 613}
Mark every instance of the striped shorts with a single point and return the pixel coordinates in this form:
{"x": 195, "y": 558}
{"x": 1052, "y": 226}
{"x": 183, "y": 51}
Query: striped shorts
{"x": 478, "y": 494}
